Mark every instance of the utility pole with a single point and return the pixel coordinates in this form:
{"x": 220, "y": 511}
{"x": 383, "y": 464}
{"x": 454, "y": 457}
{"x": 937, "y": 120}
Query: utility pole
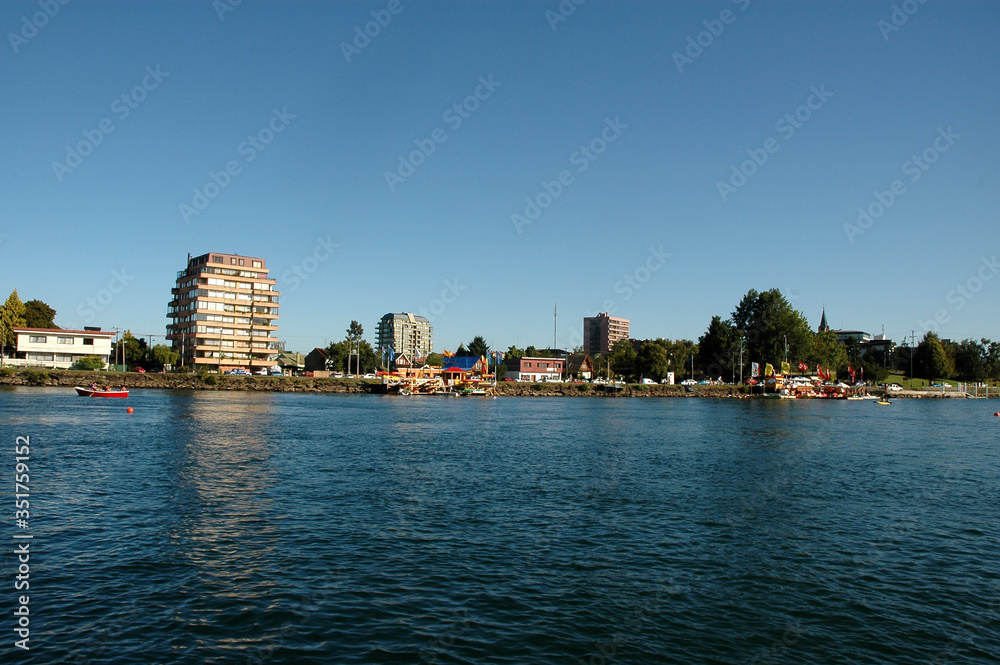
{"x": 912, "y": 349}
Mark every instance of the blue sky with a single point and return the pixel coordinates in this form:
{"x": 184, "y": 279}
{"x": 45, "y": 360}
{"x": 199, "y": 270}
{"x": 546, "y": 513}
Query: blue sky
{"x": 596, "y": 119}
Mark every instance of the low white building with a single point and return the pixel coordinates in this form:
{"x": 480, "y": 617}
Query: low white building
{"x": 59, "y": 349}
{"x": 535, "y": 369}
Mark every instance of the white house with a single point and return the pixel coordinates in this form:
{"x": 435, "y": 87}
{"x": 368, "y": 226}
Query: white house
{"x": 59, "y": 349}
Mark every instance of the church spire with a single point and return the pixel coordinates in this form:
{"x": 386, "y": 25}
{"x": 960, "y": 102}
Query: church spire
{"x": 823, "y": 326}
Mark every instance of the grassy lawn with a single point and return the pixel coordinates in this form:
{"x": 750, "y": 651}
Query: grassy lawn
{"x": 915, "y": 384}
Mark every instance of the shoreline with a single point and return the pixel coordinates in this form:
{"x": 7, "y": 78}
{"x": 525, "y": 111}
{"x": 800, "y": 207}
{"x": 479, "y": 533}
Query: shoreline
{"x": 307, "y": 384}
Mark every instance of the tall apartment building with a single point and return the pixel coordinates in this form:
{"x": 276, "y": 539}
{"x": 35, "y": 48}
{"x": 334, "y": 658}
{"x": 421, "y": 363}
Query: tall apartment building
{"x": 406, "y": 333}
{"x": 602, "y": 331}
{"x": 223, "y": 312}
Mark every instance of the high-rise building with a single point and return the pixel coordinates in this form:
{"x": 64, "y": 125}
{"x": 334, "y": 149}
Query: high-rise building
{"x": 602, "y": 331}
{"x": 223, "y": 313}
{"x": 406, "y": 333}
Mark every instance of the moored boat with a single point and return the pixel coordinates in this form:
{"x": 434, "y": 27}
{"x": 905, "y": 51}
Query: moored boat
{"x": 89, "y": 392}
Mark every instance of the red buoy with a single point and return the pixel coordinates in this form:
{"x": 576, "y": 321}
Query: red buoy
{"x": 997, "y": 413}
{"x": 129, "y": 409}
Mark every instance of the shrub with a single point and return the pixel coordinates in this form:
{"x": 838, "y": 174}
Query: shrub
{"x": 34, "y": 377}
{"x": 583, "y": 387}
{"x": 536, "y": 387}
{"x": 7, "y": 371}
{"x": 88, "y": 363}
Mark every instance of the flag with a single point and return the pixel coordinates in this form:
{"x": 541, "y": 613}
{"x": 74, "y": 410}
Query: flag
{"x": 862, "y": 373}
{"x": 768, "y": 369}
{"x": 803, "y": 367}
{"x": 850, "y": 370}
{"x": 786, "y": 368}
{"x": 447, "y": 354}
{"x": 754, "y": 369}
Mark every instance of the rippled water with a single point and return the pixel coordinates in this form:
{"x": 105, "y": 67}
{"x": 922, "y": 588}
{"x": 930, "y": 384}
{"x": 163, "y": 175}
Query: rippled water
{"x": 244, "y": 528}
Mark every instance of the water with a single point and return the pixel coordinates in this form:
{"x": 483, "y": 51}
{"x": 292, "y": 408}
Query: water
{"x": 244, "y": 528}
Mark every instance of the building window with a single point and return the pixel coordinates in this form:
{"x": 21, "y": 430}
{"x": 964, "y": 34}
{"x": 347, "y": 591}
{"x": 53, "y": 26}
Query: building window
{"x": 241, "y": 261}
{"x": 217, "y": 259}
{"x": 258, "y": 264}
{"x": 88, "y": 341}
{"x": 65, "y": 340}
{"x": 37, "y": 339}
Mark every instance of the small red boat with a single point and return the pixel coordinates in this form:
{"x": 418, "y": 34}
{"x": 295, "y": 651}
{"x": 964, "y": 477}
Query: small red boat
{"x": 88, "y": 392}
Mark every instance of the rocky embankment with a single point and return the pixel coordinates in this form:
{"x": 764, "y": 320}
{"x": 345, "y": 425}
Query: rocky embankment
{"x": 307, "y": 384}
{"x": 134, "y": 380}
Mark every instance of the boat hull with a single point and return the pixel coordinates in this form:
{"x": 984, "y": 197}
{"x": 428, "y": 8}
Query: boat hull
{"x": 87, "y": 392}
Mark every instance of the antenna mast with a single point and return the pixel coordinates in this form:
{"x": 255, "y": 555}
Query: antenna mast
{"x": 555, "y": 325}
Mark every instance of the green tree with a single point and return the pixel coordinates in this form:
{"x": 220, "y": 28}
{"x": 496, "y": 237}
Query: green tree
{"x": 680, "y": 353}
{"x": 39, "y": 315}
{"x": 134, "y": 349}
{"x": 718, "y": 349}
{"x": 337, "y": 354}
{"x": 931, "y": 361}
{"x": 530, "y": 352}
{"x": 434, "y": 360}
{"x": 514, "y": 353}
{"x": 970, "y": 359}
{"x": 11, "y": 316}
{"x": 368, "y": 360}
{"x": 161, "y": 355}
{"x": 765, "y": 321}
{"x": 827, "y": 351}
{"x": 652, "y": 361}
{"x": 623, "y": 357}
{"x": 355, "y": 333}
{"x": 478, "y": 346}
{"x": 991, "y": 354}
{"x": 462, "y": 351}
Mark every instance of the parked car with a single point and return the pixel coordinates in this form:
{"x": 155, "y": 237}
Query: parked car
{"x": 262, "y": 371}
{"x": 369, "y": 376}
{"x": 689, "y": 382}
{"x": 239, "y": 372}
{"x": 139, "y": 369}
{"x": 894, "y": 388}
{"x": 648, "y": 382}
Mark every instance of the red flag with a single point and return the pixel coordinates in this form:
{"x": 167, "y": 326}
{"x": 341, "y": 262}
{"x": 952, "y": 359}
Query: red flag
{"x": 803, "y": 367}
{"x": 850, "y": 370}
